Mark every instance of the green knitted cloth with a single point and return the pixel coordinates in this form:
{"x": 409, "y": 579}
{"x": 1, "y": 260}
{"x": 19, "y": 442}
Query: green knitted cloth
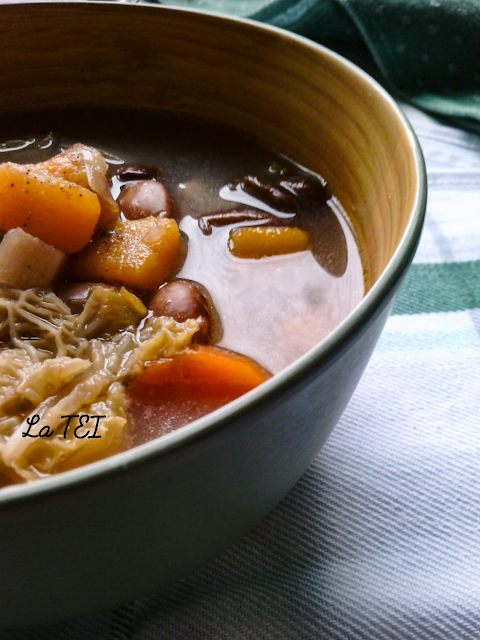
{"x": 426, "y": 52}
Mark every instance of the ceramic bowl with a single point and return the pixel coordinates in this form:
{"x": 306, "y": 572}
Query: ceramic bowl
{"x": 102, "y": 535}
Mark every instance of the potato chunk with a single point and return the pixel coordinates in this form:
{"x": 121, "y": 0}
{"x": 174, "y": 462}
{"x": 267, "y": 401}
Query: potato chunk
{"x": 27, "y": 262}
{"x": 135, "y": 253}
{"x": 50, "y": 208}
{"x": 261, "y": 242}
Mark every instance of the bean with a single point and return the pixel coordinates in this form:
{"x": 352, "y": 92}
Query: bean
{"x": 305, "y": 188}
{"x": 181, "y": 300}
{"x": 76, "y": 294}
{"x": 230, "y": 217}
{"x": 144, "y": 199}
{"x": 138, "y": 172}
{"x": 271, "y": 194}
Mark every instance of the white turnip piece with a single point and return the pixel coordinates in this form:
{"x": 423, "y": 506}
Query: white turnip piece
{"x": 27, "y": 262}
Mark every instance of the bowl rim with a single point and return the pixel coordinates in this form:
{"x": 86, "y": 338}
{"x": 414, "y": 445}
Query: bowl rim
{"x": 327, "y": 350}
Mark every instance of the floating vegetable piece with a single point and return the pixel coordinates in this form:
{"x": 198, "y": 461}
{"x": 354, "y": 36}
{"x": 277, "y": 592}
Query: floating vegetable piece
{"x": 261, "y": 242}
{"x": 27, "y": 262}
{"x": 189, "y": 385}
{"x": 108, "y": 311}
{"x": 86, "y": 167}
{"x": 59, "y": 212}
{"x": 135, "y": 253}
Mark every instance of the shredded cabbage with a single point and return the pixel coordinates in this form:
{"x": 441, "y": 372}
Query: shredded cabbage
{"x": 39, "y": 322}
{"x": 48, "y": 369}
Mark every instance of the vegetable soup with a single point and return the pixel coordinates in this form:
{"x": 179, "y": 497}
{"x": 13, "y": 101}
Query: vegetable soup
{"x": 152, "y": 269}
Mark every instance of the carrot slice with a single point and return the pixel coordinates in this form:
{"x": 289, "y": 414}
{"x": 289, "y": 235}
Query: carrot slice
{"x": 171, "y": 392}
{"x": 206, "y": 367}
{"x": 52, "y": 209}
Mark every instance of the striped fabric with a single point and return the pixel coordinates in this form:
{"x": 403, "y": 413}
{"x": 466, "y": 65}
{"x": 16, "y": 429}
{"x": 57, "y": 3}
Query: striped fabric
{"x": 380, "y": 539}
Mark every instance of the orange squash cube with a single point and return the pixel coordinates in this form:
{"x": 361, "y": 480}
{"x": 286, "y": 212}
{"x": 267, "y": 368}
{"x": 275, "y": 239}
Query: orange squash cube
{"x": 55, "y": 210}
{"x": 261, "y": 242}
{"x": 136, "y": 253}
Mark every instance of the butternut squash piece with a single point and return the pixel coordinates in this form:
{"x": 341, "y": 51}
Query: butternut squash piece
{"x": 135, "y": 253}
{"x": 86, "y": 167}
{"x": 261, "y": 242}
{"x": 59, "y": 212}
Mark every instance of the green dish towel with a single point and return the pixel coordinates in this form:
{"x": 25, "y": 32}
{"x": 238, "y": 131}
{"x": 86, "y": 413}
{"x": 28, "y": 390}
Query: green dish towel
{"x": 426, "y": 52}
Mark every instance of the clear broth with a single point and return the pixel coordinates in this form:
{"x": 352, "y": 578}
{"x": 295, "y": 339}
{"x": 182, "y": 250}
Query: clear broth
{"x": 273, "y": 309}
